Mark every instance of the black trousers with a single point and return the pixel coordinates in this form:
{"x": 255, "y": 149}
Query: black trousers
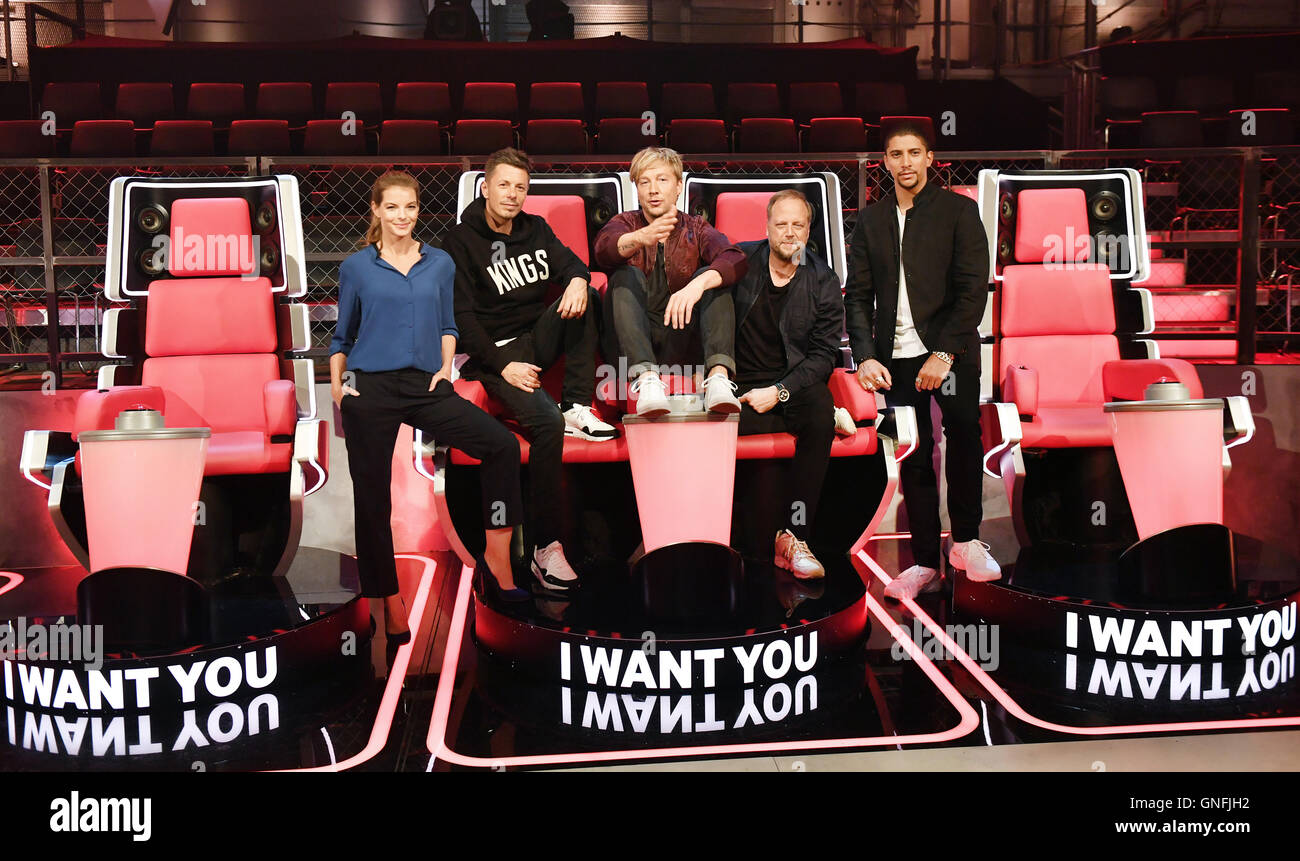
{"x": 551, "y": 337}
{"x": 959, "y": 404}
{"x": 370, "y": 425}
{"x": 810, "y": 416}
{"x": 638, "y": 319}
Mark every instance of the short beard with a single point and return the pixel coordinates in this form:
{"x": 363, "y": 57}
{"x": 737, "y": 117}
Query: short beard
{"x": 788, "y": 258}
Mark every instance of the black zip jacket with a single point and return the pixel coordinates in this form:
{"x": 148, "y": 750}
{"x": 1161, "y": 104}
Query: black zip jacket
{"x": 811, "y": 321}
{"x": 501, "y": 289}
{"x": 946, "y": 256}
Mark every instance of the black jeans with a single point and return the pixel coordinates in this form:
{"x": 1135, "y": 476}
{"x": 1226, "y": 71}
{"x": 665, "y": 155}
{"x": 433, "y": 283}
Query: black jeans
{"x": 370, "y": 425}
{"x": 551, "y": 337}
{"x": 638, "y": 319}
{"x": 810, "y": 416}
{"x": 959, "y": 403}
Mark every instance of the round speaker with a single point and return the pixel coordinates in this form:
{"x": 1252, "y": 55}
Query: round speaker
{"x": 152, "y": 218}
{"x": 1006, "y": 208}
{"x": 270, "y": 258}
{"x": 152, "y": 262}
{"x": 600, "y": 212}
{"x": 1005, "y": 254}
{"x": 1104, "y": 205}
{"x": 264, "y": 219}
{"x": 701, "y": 209}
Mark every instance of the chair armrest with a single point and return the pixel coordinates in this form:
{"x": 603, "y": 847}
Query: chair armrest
{"x": 311, "y": 452}
{"x": 898, "y": 425}
{"x": 847, "y": 392}
{"x": 280, "y": 399}
{"x": 98, "y": 410}
{"x": 1127, "y": 379}
{"x": 1238, "y": 422}
{"x": 1020, "y": 387}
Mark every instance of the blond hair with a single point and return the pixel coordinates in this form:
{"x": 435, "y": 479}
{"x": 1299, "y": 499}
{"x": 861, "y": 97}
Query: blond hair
{"x": 788, "y": 194}
{"x": 651, "y": 154}
{"x": 388, "y": 179}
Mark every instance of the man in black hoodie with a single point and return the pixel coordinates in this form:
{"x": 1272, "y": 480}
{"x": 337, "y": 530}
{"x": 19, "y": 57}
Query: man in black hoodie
{"x": 505, "y": 261}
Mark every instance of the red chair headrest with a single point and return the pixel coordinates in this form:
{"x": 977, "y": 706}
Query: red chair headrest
{"x": 1052, "y": 225}
{"x": 567, "y": 216}
{"x": 742, "y": 215}
{"x": 211, "y": 236}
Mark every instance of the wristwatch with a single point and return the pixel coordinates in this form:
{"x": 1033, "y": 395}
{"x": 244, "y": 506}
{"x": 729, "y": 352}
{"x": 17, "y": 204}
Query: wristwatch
{"x": 942, "y": 356}
{"x": 782, "y": 393}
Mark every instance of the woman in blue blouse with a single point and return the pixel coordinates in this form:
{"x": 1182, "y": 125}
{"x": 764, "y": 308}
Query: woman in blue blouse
{"x": 397, "y": 333}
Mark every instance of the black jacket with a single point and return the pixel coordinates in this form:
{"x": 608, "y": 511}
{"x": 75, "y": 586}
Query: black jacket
{"x": 946, "y": 257}
{"x": 501, "y": 291}
{"x": 811, "y": 321}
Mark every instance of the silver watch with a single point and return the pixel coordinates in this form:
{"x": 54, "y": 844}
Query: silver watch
{"x": 946, "y": 357}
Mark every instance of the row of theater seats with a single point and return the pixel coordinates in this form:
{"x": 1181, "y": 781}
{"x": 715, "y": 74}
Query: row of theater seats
{"x": 1200, "y": 110}
{"x": 614, "y": 136}
{"x": 147, "y": 102}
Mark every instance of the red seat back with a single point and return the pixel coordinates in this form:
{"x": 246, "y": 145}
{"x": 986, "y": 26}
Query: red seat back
{"x": 422, "y": 100}
{"x": 490, "y": 101}
{"x": 816, "y": 99}
{"x": 410, "y": 137}
{"x": 479, "y": 137}
{"x": 556, "y": 137}
{"x": 362, "y": 98}
{"x": 220, "y": 103}
{"x": 259, "y": 137}
{"x": 556, "y": 100}
{"x": 145, "y": 103}
{"x": 622, "y": 135}
{"x": 181, "y": 138}
{"x": 742, "y": 215}
{"x": 285, "y": 100}
{"x": 567, "y": 216}
{"x": 621, "y": 99}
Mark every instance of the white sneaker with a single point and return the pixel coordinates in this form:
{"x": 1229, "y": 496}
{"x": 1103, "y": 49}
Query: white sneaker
{"x": 551, "y": 569}
{"x": 973, "y": 558}
{"x": 844, "y": 425}
{"x": 651, "y": 395}
{"x": 581, "y": 421}
{"x": 720, "y": 394}
{"x": 913, "y": 582}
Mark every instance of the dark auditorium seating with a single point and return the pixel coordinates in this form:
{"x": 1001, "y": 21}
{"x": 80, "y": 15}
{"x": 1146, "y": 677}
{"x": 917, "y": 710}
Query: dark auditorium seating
{"x": 422, "y": 100}
{"x": 222, "y": 104}
{"x": 615, "y": 99}
{"x": 327, "y": 137}
{"x": 480, "y": 137}
{"x": 889, "y": 123}
{"x": 102, "y": 139}
{"x": 767, "y": 135}
{"x": 698, "y": 136}
{"x": 622, "y": 136}
{"x": 72, "y": 101}
{"x": 817, "y": 99}
{"x": 259, "y": 137}
{"x": 836, "y": 134}
{"x": 360, "y": 97}
{"x": 145, "y": 103}
{"x": 681, "y": 101}
{"x": 410, "y": 137}
{"x": 750, "y": 100}
{"x": 285, "y": 100}
{"x": 1170, "y": 129}
{"x": 1208, "y": 95}
{"x": 181, "y": 138}
{"x": 485, "y": 100}
{"x": 1123, "y": 100}
{"x": 23, "y": 139}
{"x": 556, "y": 137}
{"x": 1273, "y": 127}
{"x": 876, "y": 99}
{"x": 1279, "y": 88}
{"x": 556, "y": 100}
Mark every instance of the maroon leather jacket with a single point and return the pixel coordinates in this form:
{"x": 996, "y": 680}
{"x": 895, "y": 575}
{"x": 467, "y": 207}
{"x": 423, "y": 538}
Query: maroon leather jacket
{"x": 694, "y": 243}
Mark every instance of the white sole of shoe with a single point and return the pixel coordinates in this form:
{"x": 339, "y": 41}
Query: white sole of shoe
{"x": 538, "y": 576}
{"x": 580, "y": 434}
{"x": 782, "y": 562}
{"x": 983, "y": 578}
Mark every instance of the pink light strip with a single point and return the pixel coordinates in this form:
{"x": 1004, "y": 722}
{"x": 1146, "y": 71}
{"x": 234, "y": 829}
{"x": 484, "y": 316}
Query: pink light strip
{"x": 393, "y": 688}
{"x": 437, "y": 741}
{"x": 1013, "y": 707}
{"x": 15, "y": 580}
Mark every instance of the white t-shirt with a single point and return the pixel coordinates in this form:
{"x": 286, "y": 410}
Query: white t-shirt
{"x": 907, "y": 343}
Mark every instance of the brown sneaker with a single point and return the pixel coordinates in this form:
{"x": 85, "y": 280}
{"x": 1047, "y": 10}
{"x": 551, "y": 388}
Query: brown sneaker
{"x": 794, "y": 556}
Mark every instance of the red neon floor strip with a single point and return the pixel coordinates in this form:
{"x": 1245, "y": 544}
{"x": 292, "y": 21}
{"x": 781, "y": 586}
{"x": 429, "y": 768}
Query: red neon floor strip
{"x": 13, "y": 582}
{"x": 393, "y": 688}
{"x": 437, "y": 738}
{"x": 1014, "y": 708}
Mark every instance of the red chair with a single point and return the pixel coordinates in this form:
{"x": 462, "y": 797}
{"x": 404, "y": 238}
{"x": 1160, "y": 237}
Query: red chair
{"x": 102, "y": 139}
{"x": 334, "y": 137}
{"x": 742, "y": 215}
{"x": 221, "y": 104}
{"x": 286, "y": 100}
{"x": 145, "y": 103}
{"x": 767, "y": 135}
{"x": 681, "y": 101}
{"x": 556, "y": 100}
{"x": 746, "y": 101}
{"x": 698, "y": 136}
{"x": 836, "y": 134}
{"x": 480, "y": 137}
{"x": 490, "y": 101}
{"x": 819, "y": 99}
{"x": 567, "y": 216}
{"x": 72, "y": 101}
{"x": 411, "y": 137}
{"x": 556, "y": 137}
{"x": 259, "y": 137}
{"x": 621, "y": 99}
{"x": 181, "y": 138}
{"x": 23, "y": 139}
{"x": 362, "y": 98}
{"x": 422, "y": 100}
{"x": 623, "y": 136}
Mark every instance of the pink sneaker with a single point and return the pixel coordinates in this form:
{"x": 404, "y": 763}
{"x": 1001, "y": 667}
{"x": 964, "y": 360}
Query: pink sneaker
{"x": 913, "y": 582}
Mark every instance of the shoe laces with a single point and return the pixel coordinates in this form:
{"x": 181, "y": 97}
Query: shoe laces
{"x": 651, "y": 380}
{"x": 795, "y": 547}
{"x": 583, "y": 411}
{"x": 720, "y": 380}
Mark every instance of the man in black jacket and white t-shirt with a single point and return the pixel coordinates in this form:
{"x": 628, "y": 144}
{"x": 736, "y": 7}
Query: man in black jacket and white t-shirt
{"x": 914, "y": 297}
{"x": 506, "y": 260}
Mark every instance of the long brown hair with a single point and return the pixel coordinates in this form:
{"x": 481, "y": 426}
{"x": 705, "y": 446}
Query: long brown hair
{"x": 386, "y": 180}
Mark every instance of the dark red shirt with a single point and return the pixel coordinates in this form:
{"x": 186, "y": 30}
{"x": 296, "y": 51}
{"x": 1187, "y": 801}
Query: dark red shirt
{"x": 694, "y": 243}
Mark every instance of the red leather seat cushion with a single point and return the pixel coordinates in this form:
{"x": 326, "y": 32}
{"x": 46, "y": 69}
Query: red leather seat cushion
{"x": 183, "y": 318}
{"x": 1068, "y": 426}
{"x": 244, "y": 452}
{"x": 1037, "y": 300}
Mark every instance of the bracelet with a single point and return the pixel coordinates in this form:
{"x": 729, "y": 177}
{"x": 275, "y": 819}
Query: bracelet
{"x": 944, "y": 357}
